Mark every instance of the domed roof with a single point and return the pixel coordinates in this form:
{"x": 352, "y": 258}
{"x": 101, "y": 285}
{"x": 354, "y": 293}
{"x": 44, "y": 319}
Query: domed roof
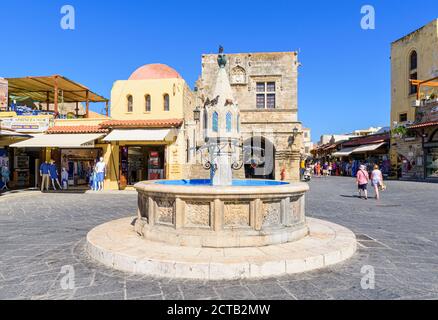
{"x": 155, "y": 71}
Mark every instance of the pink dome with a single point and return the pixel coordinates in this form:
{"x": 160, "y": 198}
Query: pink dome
{"x": 155, "y": 71}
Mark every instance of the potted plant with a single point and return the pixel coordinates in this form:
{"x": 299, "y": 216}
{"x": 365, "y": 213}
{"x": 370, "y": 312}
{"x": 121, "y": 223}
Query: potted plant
{"x": 399, "y": 131}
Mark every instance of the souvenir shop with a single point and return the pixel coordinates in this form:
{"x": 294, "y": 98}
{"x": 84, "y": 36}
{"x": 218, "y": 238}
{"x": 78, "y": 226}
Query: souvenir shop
{"x": 21, "y": 166}
{"x": 139, "y": 163}
{"x": 79, "y": 164}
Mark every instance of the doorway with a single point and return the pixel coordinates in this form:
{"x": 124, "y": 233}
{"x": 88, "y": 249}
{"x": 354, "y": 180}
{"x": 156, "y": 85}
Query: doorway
{"x": 140, "y": 163}
{"x": 259, "y": 158}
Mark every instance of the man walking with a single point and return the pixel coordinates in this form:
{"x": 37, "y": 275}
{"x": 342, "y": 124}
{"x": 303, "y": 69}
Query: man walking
{"x": 45, "y": 175}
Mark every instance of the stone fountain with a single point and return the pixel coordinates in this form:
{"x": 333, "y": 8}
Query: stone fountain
{"x": 220, "y": 228}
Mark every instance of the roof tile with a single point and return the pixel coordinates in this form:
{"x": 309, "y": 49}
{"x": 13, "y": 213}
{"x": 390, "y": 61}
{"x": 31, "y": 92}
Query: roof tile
{"x": 165, "y": 123}
{"x": 76, "y": 129}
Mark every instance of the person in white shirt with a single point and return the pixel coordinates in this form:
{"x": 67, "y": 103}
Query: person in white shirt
{"x": 377, "y": 180}
{"x": 101, "y": 173}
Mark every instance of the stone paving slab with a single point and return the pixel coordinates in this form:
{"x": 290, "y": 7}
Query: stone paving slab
{"x": 41, "y": 233}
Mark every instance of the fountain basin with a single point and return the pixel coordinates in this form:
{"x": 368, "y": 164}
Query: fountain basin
{"x": 250, "y": 213}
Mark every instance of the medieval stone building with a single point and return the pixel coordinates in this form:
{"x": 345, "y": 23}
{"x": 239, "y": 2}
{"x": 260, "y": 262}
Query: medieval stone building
{"x": 264, "y": 86}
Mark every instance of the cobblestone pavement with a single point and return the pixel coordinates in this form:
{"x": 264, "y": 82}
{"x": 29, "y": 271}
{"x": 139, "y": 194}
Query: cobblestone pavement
{"x": 398, "y": 236}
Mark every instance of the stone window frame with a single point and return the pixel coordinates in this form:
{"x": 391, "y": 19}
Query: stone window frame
{"x": 266, "y": 93}
{"x": 129, "y": 103}
{"x": 277, "y": 78}
{"x": 148, "y": 102}
{"x": 166, "y": 102}
{"x": 412, "y": 71}
{"x": 400, "y": 117}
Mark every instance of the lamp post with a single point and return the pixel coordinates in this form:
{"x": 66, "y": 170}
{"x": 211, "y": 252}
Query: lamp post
{"x": 197, "y": 114}
{"x": 292, "y": 138}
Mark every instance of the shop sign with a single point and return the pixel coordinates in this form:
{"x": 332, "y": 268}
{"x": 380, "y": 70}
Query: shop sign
{"x": 28, "y": 124}
{"x": 3, "y": 94}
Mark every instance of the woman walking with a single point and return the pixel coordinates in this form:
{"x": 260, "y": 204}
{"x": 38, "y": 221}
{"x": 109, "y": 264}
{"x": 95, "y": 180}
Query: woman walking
{"x": 377, "y": 180}
{"x": 362, "y": 179}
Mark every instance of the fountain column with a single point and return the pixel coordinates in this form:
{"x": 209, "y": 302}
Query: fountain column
{"x": 222, "y": 132}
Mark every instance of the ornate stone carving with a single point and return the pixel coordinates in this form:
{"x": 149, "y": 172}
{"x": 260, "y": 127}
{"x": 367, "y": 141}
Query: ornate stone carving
{"x": 295, "y": 210}
{"x": 197, "y": 214}
{"x": 143, "y": 206}
{"x": 238, "y": 75}
{"x": 166, "y": 211}
{"x": 272, "y": 213}
{"x": 236, "y": 214}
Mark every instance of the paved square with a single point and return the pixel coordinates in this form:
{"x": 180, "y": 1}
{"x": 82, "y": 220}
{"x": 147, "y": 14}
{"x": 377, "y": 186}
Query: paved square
{"x": 41, "y": 234}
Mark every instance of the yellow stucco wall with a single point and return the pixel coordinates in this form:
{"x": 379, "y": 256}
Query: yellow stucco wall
{"x": 139, "y": 89}
{"x": 79, "y": 122}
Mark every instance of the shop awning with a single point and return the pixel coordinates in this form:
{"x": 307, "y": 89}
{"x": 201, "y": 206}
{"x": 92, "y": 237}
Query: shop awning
{"x": 142, "y": 135}
{"x": 59, "y": 141}
{"x": 7, "y": 133}
{"x": 369, "y": 147}
{"x": 344, "y": 152}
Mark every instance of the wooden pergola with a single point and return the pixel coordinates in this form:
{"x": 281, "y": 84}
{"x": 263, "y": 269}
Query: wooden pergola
{"x": 47, "y": 90}
{"x": 424, "y": 83}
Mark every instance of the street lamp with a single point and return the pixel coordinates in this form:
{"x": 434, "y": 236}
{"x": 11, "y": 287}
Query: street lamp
{"x": 197, "y": 114}
{"x": 295, "y": 133}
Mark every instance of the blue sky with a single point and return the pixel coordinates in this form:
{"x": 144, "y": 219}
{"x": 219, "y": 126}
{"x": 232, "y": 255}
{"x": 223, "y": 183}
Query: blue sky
{"x": 344, "y": 81}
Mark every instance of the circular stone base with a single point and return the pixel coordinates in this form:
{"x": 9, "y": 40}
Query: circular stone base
{"x": 117, "y": 245}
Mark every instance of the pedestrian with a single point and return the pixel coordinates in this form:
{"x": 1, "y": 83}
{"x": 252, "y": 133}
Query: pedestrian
{"x": 302, "y": 168}
{"x": 325, "y": 169}
{"x": 318, "y": 169}
{"x": 45, "y": 175}
{"x": 377, "y": 180}
{"x": 362, "y": 179}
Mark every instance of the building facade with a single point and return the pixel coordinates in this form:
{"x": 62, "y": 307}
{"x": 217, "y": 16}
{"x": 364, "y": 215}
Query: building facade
{"x": 307, "y": 144}
{"x": 413, "y": 103}
{"x": 265, "y": 88}
{"x": 152, "y": 132}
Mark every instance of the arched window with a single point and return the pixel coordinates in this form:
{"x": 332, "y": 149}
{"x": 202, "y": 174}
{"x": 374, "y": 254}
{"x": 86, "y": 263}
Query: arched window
{"x": 238, "y": 123}
{"x": 166, "y": 102}
{"x": 229, "y": 121}
{"x": 215, "y": 124}
{"x": 413, "y": 61}
{"x": 413, "y": 75}
{"x": 147, "y": 103}
{"x": 130, "y": 102}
